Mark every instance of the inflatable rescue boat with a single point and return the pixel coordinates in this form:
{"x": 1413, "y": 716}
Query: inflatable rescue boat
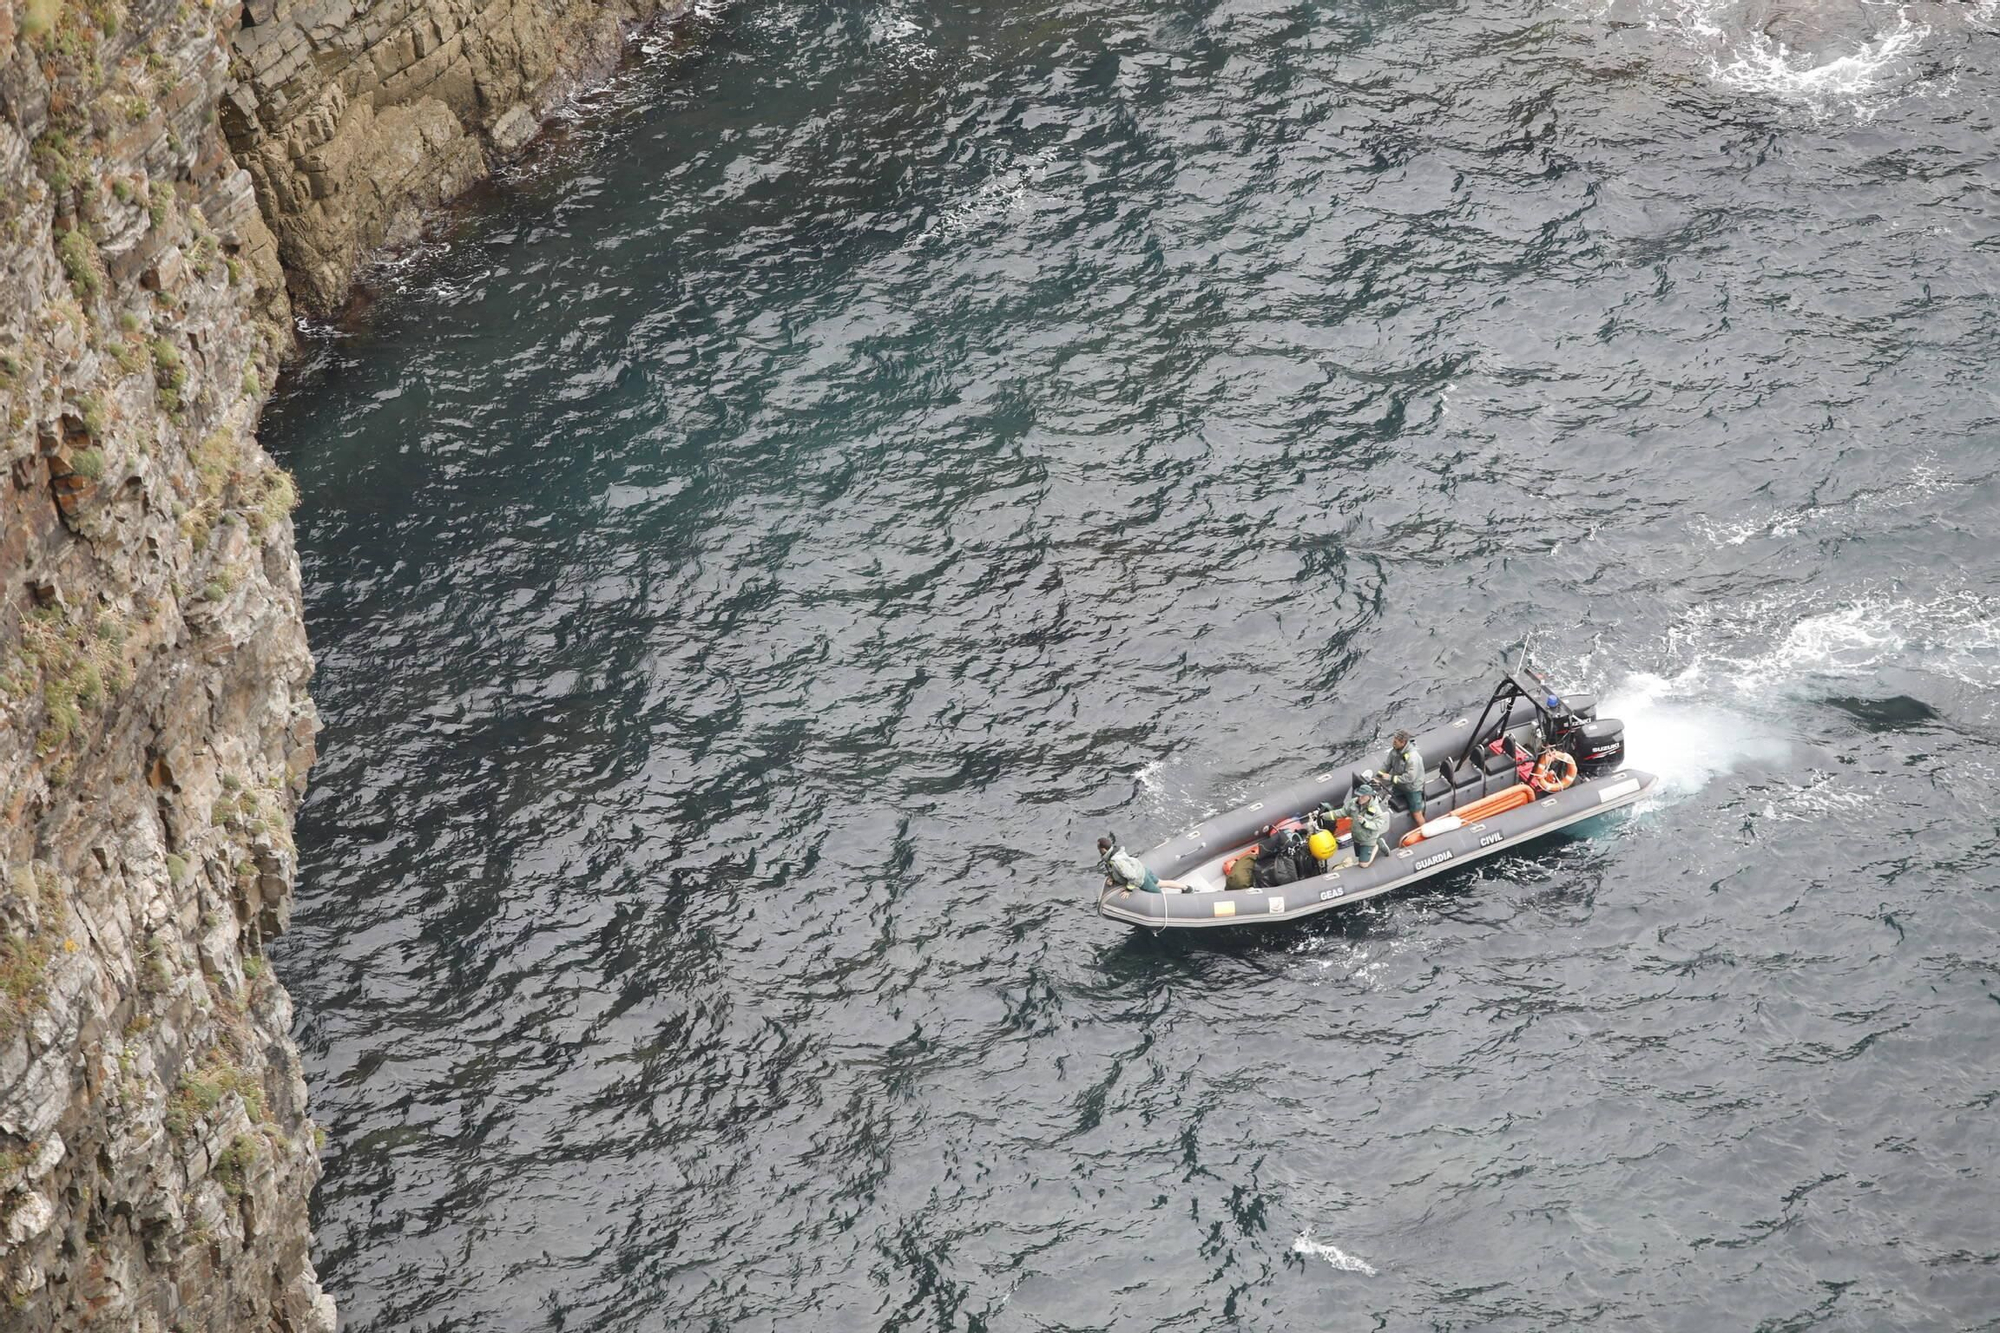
{"x": 1532, "y": 761}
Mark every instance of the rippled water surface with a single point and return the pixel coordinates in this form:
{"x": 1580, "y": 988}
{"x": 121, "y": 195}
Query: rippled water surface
{"x": 870, "y": 450}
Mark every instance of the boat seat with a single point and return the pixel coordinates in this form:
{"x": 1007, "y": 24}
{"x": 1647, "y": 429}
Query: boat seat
{"x": 1466, "y": 774}
{"x": 1436, "y": 788}
{"x": 1498, "y": 763}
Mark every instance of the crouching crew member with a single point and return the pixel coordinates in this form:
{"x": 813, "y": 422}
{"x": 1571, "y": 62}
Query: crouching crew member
{"x": 1364, "y": 784}
{"x": 1122, "y": 870}
{"x": 1367, "y": 819}
{"x": 1406, "y": 770}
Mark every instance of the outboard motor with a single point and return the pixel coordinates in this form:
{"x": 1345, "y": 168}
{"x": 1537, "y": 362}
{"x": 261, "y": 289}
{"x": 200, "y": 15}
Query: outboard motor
{"x": 1599, "y": 746}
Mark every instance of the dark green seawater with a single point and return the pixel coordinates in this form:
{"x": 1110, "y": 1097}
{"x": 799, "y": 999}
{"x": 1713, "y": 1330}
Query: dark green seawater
{"x": 871, "y": 449}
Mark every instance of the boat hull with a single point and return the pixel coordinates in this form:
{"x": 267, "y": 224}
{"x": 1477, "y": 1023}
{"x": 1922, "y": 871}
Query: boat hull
{"x": 1197, "y": 856}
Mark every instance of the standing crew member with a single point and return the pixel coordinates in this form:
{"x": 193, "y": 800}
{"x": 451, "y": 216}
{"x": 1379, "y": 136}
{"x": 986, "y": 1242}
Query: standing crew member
{"x": 1124, "y": 870}
{"x": 1406, "y": 769}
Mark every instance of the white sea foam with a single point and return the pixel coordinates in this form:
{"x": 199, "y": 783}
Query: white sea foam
{"x": 668, "y": 43}
{"x": 1921, "y": 484}
{"x": 399, "y": 264}
{"x": 1333, "y": 1254}
{"x": 1756, "y": 63}
{"x": 1825, "y": 796}
{"x": 1768, "y": 521}
{"x": 1363, "y": 964}
{"x": 1858, "y": 73}
{"x": 1955, "y": 635}
{"x": 317, "y": 330}
{"x": 1759, "y": 652}
{"x": 899, "y": 37}
{"x": 1008, "y": 192}
{"x": 1148, "y": 779}
{"x": 1680, "y": 733}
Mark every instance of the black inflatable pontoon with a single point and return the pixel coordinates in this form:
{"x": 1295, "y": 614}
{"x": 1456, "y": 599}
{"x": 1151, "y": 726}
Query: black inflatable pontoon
{"x": 1523, "y": 709}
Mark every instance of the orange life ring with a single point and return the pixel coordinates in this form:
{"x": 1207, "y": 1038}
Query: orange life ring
{"x": 1545, "y": 778}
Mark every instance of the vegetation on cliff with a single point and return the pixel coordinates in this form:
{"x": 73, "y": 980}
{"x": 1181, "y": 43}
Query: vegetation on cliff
{"x": 155, "y": 732}
{"x": 155, "y": 1153}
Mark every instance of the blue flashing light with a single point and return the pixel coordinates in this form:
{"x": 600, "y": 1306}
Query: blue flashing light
{"x": 1554, "y": 702}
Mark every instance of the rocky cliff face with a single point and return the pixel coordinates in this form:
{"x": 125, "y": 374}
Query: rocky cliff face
{"x": 155, "y": 1153}
{"x": 158, "y": 160}
{"x": 354, "y": 118}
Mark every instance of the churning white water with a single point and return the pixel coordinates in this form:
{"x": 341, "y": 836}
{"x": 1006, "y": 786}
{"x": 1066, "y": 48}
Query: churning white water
{"x": 1737, "y": 686}
{"x": 1824, "y": 56}
{"x": 1333, "y": 1254}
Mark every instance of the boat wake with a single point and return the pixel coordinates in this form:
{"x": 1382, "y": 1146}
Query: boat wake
{"x": 1823, "y": 56}
{"x": 1760, "y": 63}
{"x": 1735, "y": 682}
{"x": 1680, "y": 733}
{"x": 1333, "y": 1254}
{"x": 1822, "y": 641}
{"x": 1925, "y": 484}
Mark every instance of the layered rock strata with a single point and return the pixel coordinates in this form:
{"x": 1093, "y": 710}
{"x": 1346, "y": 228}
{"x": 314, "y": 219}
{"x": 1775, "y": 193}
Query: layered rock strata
{"x": 167, "y": 171}
{"x": 155, "y": 1152}
{"x": 354, "y": 119}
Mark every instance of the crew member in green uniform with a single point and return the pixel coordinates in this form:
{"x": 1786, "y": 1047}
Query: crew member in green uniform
{"x": 1367, "y": 819}
{"x": 1124, "y": 870}
{"x": 1406, "y": 770}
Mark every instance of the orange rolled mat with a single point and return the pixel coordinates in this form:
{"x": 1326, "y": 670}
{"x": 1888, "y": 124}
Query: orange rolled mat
{"x": 1486, "y": 806}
